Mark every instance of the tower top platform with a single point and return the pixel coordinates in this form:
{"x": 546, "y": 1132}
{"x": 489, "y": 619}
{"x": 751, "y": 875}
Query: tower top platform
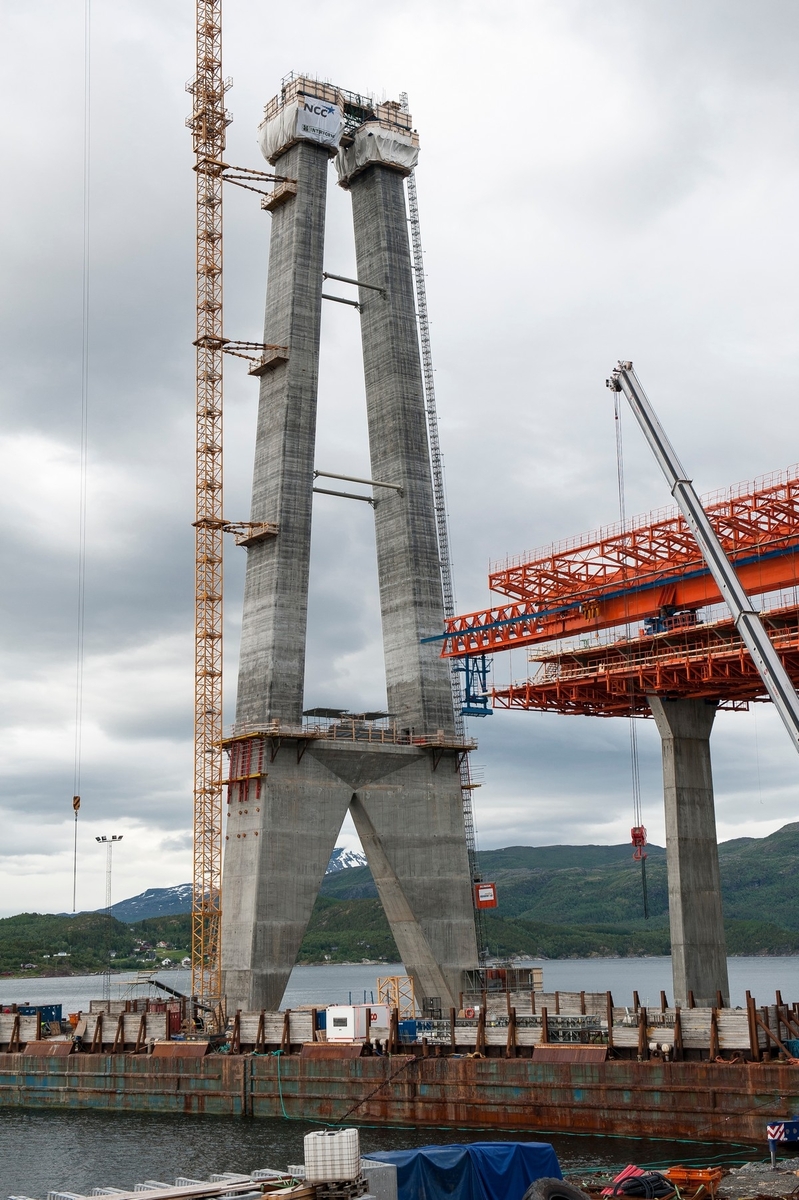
{"x": 356, "y": 107}
{"x": 315, "y": 110}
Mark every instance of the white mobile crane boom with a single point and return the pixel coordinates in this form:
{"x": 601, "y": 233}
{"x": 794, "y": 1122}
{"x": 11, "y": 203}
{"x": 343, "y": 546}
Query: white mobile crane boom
{"x": 747, "y": 621}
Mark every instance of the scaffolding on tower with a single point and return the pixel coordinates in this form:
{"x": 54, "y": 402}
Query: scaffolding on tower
{"x": 442, "y": 529}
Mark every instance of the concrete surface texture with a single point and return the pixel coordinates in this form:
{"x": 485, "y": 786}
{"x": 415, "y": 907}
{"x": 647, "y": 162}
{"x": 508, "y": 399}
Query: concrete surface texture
{"x": 698, "y": 947}
{"x": 272, "y": 659}
{"x": 405, "y": 804}
{"x": 411, "y": 602}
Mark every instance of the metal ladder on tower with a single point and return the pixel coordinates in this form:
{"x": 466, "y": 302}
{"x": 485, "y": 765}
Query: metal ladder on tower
{"x": 442, "y": 529}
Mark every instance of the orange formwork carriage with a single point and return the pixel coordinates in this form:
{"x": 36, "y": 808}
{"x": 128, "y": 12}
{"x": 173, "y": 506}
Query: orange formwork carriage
{"x": 707, "y": 661}
{"x": 625, "y": 574}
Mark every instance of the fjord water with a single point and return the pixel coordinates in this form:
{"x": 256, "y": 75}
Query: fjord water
{"x": 77, "y": 1151}
{"x": 338, "y": 983}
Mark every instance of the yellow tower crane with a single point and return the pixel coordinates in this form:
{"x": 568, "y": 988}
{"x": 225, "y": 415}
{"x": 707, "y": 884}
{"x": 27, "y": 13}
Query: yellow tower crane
{"x": 208, "y": 122}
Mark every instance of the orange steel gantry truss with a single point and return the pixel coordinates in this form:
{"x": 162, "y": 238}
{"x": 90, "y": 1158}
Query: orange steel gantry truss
{"x": 624, "y": 574}
{"x": 650, "y": 569}
{"x": 699, "y": 661}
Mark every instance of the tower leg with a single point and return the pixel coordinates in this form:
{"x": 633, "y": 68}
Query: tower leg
{"x": 279, "y": 844}
{"x": 283, "y": 827}
{"x": 408, "y": 566}
{"x": 272, "y": 660}
{"x": 698, "y": 947}
{"x": 413, "y": 840}
{"x": 422, "y": 836}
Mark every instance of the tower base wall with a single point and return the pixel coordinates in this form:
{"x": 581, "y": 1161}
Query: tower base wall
{"x": 282, "y": 827}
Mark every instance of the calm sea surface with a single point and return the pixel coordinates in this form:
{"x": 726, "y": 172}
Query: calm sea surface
{"x": 341, "y": 983}
{"x": 77, "y": 1151}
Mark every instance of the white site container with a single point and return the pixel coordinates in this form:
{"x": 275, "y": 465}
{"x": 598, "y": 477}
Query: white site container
{"x": 348, "y": 1022}
{"x": 332, "y": 1156}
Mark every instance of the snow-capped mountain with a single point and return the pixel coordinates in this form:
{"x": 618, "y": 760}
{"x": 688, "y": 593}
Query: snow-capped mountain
{"x": 340, "y": 859}
{"x": 168, "y": 902}
{"x": 155, "y": 902}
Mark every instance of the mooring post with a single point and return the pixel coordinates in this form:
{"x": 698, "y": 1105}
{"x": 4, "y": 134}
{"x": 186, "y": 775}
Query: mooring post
{"x": 643, "y": 1041}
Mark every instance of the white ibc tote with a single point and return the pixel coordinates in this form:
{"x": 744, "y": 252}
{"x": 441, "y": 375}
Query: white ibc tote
{"x": 332, "y": 1156}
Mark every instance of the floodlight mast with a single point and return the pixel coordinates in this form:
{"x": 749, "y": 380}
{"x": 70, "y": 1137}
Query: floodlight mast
{"x": 109, "y": 843}
{"x": 747, "y": 621}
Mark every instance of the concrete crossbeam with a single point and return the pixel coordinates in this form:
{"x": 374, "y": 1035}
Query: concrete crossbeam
{"x": 698, "y": 947}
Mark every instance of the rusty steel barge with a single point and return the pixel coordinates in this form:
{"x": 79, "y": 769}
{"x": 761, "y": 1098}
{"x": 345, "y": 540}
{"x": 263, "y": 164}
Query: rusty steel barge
{"x": 558, "y": 1062}
{"x": 692, "y": 1100}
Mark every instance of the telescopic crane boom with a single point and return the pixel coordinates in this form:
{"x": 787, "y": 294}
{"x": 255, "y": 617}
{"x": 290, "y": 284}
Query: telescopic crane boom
{"x": 775, "y": 678}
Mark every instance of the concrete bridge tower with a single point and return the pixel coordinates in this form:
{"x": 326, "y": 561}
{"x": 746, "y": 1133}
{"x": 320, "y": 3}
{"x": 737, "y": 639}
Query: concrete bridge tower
{"x": 291, "y": 782}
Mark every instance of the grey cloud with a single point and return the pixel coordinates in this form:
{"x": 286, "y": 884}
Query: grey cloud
{"x": 666, "y": 233}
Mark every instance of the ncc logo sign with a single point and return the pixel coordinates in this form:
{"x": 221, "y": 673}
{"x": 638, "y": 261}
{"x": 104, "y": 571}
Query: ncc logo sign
{"x": 319, "y": 121}
{"x": 319, "y": 110}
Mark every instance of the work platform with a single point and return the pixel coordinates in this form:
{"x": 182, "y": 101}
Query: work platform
{"x": 706, "y": 660}
{"x": 353, "y": 729}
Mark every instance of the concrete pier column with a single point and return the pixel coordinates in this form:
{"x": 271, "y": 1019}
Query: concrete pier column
{"x": 698, "y": 947}
{"x": 408, "y": 563}
{"x": 280, "y": 839}
{"x": 272, "y": 661}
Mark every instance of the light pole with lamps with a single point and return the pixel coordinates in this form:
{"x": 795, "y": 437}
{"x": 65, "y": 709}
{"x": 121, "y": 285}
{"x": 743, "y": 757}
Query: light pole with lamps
{"x": 109, "y": 843}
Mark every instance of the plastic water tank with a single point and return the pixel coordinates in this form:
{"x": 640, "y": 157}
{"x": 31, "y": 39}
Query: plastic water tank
{"x": 332, "y": 1156}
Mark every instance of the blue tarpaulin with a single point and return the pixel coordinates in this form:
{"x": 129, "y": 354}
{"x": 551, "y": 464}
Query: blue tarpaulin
{"x": 474, "y": 1171}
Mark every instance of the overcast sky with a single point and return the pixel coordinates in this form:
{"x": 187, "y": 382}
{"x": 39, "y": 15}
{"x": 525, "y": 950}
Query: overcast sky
{"x": 596, "y": 181}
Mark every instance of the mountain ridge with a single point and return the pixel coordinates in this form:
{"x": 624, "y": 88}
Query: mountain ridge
{"x": 554, "y": 902}
{"x": 573, "y": 885}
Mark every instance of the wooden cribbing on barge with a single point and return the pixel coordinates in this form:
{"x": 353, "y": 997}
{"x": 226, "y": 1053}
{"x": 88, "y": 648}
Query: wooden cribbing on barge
{"x": 511, "y": 1023}
{"x": 568, "y": 1061}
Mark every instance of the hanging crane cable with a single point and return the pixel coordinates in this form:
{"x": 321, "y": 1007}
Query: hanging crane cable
{"x": 638, "y": 832}
{"x": 83, "y": 455}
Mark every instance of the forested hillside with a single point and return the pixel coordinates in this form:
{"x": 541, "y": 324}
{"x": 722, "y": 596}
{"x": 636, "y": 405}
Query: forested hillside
{"x": 554, "y": 902}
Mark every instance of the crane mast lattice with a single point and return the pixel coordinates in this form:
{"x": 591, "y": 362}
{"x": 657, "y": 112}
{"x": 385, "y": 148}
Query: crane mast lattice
{"x": 208, "y": 122}
{"x": 442, "y": 528}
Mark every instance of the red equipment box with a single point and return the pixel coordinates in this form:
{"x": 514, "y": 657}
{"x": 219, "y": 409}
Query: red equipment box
{"x": 485, "y": 895}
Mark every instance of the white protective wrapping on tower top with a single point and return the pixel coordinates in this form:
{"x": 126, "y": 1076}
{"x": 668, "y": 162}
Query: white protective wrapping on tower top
{"x": 306, "y": 119}
{"x": 374, "y": 143}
